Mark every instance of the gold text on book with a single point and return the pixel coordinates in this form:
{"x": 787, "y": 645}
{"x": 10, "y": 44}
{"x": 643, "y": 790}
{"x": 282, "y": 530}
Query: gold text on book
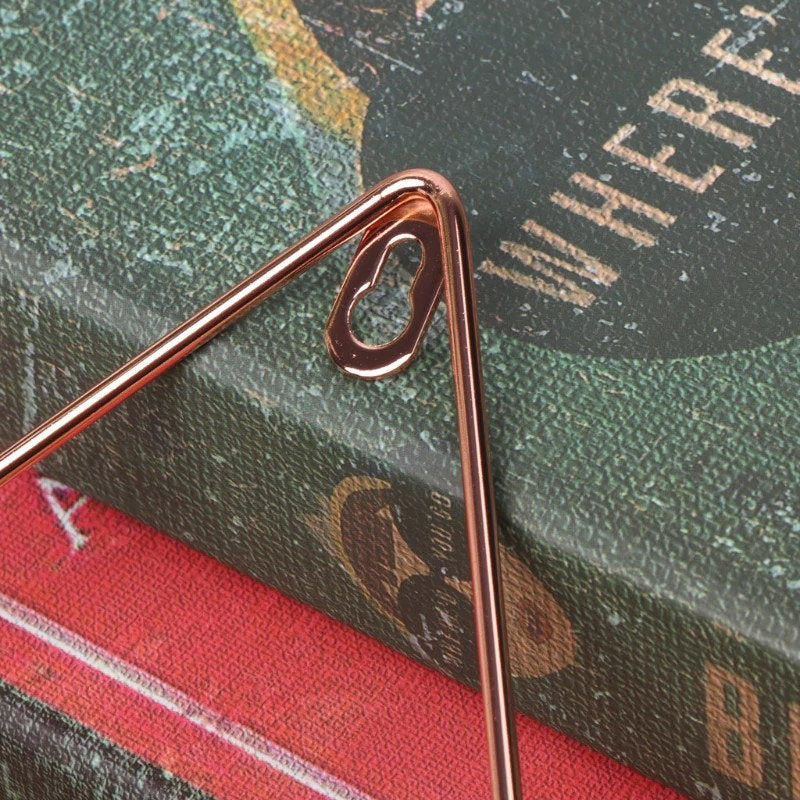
{"x": 687, "y": 101}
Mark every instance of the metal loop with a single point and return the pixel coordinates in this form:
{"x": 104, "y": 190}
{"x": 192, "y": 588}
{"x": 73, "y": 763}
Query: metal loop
{"x": 348, "y": 352}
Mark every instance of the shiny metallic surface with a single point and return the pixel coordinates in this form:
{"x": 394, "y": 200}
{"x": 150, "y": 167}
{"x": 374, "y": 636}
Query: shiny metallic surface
{"x": 415, "y": 205}
{"x": 413, "y": 221}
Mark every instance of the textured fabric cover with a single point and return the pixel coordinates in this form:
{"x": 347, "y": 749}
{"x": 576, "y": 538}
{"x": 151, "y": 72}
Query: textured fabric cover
{"x": 231, "y": 686}
{"x": 645, "y": 446}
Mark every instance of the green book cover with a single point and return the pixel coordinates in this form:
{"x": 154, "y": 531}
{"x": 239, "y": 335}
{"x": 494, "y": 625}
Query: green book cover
{"x": 46, "y": 754}
{"x": 631, "y": 176}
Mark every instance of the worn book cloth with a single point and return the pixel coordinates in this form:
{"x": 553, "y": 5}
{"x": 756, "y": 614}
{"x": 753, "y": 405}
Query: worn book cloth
{"x": 631, "y": 175}
{"x": 134, "y": 667}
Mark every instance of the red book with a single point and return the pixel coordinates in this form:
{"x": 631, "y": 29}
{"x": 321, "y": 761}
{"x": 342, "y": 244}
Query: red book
{"x": 204, "y": 679}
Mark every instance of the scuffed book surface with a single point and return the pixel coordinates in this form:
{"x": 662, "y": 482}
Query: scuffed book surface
{"x": 632, "y": 180}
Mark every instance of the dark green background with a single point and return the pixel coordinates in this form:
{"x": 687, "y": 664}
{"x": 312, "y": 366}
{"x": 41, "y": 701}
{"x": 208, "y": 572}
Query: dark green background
{"x": 655, "y": 498}
{"x": 509, "y": 98}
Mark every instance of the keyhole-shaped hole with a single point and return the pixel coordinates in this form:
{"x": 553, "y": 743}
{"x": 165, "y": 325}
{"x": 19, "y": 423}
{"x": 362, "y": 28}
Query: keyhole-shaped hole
{"x": 383, "y": 313}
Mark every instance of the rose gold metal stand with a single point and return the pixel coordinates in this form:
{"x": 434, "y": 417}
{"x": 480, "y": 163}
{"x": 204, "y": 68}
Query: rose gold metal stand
{"x": 416, "y": 205}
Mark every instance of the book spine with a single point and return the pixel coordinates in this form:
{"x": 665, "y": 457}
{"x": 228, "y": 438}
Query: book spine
{"x": 659, "y": 688}
{"x": 45, "y": 754}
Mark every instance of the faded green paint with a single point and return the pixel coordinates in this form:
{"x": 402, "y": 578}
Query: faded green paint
{"x": 149, "y": 160}
{"x": 46, "y": 754}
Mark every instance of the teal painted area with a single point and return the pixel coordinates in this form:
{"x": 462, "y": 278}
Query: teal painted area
{"x": 171, "y": 116}
{"x": 147, "y": 163}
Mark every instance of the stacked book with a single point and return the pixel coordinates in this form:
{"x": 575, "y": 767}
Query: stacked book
{"x": 132, "y": 666}
{"x": 631, "y": 176}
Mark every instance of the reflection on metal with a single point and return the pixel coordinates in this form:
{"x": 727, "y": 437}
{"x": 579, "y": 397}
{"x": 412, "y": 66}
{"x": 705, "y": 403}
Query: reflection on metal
{"x": 417, "y": 205}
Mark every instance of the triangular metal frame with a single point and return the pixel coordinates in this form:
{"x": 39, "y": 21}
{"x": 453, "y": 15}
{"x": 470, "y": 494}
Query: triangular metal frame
{"x": 419, "y": 205}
